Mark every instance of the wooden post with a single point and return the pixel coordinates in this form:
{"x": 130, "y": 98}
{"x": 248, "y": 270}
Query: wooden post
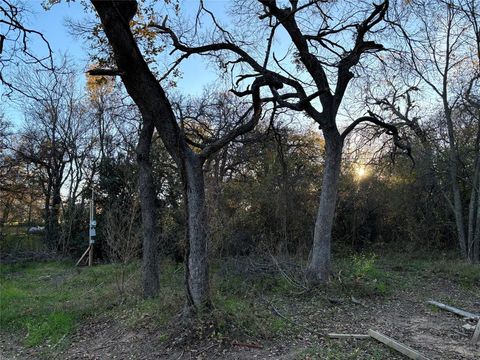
{"x": 90, "y": 255}
{"x": 83, "y": 255}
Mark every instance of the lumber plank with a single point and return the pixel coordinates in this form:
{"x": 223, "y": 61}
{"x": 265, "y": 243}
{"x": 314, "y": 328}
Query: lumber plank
{"x": 404, "y": 349}
{"x": 454, "y": 310}
{"x": 347, "y": 336}
{"x": 476, "y": 333}
{"x": 84, "y": 254}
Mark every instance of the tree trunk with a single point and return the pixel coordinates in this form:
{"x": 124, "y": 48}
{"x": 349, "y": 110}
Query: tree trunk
{"x": 318, "y": 270}
{"x": 457, "y": 198}
{"x": 52, "y": 213}
{"x": 197, "y": 231}
{"x": 284, "y": 193}
{"x": 476, "y": 237}
{"x": 6, "y": 213}
{"x": 472, "y": 211}
{"x": 150, "y": 213}
{"x": 153, "y": 104}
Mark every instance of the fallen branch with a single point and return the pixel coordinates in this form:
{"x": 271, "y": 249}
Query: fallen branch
{"x": 454, "y": 310}
{"x": 286, "y": 276}
{"x": 348, "y": 336}
{"x": 404, "y": 349}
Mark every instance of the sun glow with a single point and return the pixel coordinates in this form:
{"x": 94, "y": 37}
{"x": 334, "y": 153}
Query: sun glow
{"x": 361, "y": 171}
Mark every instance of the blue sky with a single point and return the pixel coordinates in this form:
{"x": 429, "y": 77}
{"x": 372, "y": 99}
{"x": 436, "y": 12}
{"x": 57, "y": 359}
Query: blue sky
{"x": 52, "y": 23}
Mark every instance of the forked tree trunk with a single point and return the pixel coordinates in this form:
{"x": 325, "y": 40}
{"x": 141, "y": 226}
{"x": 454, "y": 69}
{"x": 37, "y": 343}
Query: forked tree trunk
{"x": 196, "y": 276}
{"x": 150, "y": 213}
{"x": 318, "y": 270}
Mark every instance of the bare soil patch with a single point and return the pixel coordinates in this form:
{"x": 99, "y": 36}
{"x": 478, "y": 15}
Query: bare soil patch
{"x": 405, "y": 317}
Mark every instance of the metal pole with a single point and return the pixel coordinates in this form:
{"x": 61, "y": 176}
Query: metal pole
{"x": 91, "y": 232}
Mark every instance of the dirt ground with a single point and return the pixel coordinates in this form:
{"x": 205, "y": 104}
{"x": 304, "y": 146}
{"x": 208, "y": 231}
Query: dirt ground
{"x": 404, "y": 316}
{"x": 436, "y": 334}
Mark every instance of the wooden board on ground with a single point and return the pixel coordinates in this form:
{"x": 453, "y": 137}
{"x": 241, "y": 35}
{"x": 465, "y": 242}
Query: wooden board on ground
{"x": 454, "y": 310}
{"x": 476, "y": 334}
{"x": 404, "y": 349}
{"x": 348, "y": 336}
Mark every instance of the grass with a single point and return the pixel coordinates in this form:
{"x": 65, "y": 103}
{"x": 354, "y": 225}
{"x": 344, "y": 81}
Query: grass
{"x": 17, "y": 240}
{"x": 444, "y": 265}
{"x": 362, "y": 276}
{"x": 245, "y": 317}
{"x": 339, "y": 350}
{"x": 43, "y": 303}
{"x": 137, "y": 312}
{"x": 50, "y": 328}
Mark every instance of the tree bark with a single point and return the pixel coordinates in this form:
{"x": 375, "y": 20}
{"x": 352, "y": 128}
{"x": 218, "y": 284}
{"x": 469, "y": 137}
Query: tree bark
{"x": 52, "y": 214}
{"x": 284, "y": 190}
{"x": 150, "y": 213}
{"x": 318, "y": 270}
{"x": 472, "y": 210}
{"x": 5, "y": 213}
{"x": 453, "y": 170}
{"x": 476, "y": 237}
{"x": 197, "y": 230}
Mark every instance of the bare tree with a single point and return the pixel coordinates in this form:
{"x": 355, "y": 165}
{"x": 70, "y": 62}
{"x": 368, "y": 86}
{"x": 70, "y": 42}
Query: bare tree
{"x": 54, "y": 140}
{"x": 155, "y": 107}
{"x": 442, "y": 50}
{"x": 323, "y": 57}
{"x": 15, "y": 44}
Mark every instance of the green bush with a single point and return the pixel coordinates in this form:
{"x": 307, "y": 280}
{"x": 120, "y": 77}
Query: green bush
{"x": 364, "y": 266}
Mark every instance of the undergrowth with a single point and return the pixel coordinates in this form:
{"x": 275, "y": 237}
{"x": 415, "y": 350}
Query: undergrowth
{"x": 42, "y": 304}
{"x": 361, "y": 276}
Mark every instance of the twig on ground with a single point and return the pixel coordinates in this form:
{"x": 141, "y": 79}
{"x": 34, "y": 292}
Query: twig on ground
{"x": 285, "y": 275}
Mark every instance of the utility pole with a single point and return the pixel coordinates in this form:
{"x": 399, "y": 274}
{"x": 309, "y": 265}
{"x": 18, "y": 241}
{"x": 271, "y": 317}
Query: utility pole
{"x": 91, "y": 233}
